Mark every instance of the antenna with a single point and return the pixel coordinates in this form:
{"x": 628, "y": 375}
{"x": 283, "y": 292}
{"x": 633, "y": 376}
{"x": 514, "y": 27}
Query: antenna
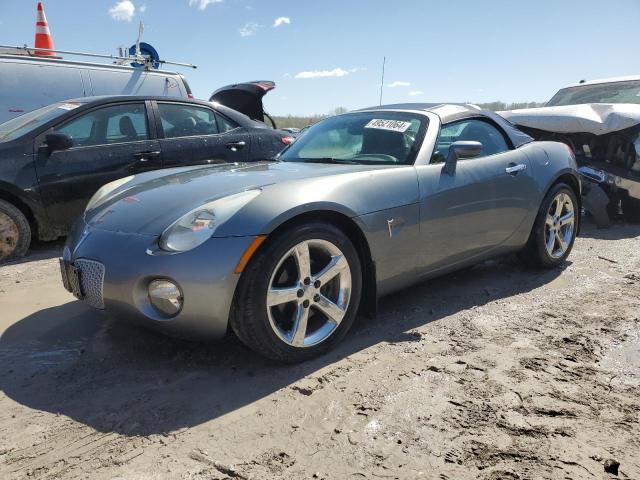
{"x": 384, "y": 61}
{"x": 140, "y": 32}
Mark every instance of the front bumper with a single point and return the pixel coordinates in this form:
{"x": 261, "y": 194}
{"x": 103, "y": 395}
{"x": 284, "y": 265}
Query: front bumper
{"x": 130, "y": 262}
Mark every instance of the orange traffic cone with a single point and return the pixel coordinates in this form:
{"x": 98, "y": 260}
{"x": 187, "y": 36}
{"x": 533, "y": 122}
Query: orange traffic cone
{"x": 43, "y": 34}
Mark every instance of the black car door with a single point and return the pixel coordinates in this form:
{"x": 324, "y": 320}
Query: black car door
{"x": 192, "y": 134}
{"x": 109, "y": 142}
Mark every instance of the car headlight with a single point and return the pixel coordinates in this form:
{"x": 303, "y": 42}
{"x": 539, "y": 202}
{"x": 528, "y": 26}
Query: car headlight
{"x": 197, "y": 226}
{"x": 103, "y": 193}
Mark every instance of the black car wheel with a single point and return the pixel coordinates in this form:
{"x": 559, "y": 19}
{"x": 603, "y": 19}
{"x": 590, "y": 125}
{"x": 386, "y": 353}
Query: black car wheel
{"x": 631, "y": 209}
{"x": 15, "y": 232}
{"x": 299, "y": 295}
{"x": 554, "y": 230}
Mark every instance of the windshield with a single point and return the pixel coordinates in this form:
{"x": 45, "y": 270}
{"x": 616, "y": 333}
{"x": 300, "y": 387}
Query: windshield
{"x": 16, "y": 127}
{"x": 382, "y": 137}
{"x": 613, "y": 92}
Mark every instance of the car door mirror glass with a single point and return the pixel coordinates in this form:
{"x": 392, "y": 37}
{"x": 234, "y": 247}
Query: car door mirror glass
{"x": 58, "y": 141}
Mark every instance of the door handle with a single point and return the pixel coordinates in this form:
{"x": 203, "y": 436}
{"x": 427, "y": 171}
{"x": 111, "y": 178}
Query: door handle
{"x": 514, "y": 169}
{"x": 146, "y": 156}
{"x": 235, "y": 146}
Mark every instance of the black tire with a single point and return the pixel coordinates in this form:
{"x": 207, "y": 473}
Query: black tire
{"x": 15, "y": 232}
{"x": 535, "y": 252}
{"x": 631, "y": 209}
{"x": 249, "y": 318}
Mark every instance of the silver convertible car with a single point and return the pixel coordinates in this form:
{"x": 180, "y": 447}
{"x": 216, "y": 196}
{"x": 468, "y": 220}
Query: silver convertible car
{"x": 287, "y": 252}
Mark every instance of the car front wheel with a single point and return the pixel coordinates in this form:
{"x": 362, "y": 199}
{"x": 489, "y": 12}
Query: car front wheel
{"x": 299, "y": 295}
{"x": 554, "y": 230}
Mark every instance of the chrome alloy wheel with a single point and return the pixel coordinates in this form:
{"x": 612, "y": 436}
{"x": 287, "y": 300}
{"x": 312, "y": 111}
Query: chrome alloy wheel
{"x": 9, "y": 236}
{"x": 309, "y": 293}
{"x": 559, "y": 225}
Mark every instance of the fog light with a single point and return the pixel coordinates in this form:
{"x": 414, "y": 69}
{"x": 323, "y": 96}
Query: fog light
{"x": 166, "y": 297}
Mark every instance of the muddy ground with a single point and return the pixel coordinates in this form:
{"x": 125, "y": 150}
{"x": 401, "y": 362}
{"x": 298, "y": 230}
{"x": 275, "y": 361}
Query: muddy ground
{"x": 493, "y": 372}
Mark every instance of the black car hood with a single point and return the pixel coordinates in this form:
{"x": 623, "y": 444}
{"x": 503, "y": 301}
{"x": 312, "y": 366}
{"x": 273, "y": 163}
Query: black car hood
{"x": 245, "y": 97}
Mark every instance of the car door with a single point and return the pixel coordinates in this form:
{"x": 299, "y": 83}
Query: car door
{"x": 190, "y": 135}
{"x": 109, "y": 142}
{"x": 479, "y": 206}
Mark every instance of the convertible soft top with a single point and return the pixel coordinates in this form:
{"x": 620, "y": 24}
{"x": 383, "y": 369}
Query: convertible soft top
{"x": 451, "y": 112}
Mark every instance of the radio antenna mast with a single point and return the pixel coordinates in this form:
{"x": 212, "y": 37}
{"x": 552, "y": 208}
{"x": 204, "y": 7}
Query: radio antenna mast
{"x": 384, "y": 61}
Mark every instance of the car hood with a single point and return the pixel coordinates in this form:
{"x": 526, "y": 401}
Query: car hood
{"x": 245, "y": 97}
{"x": 151, "y": 201}
{"x": 595, "y": 118}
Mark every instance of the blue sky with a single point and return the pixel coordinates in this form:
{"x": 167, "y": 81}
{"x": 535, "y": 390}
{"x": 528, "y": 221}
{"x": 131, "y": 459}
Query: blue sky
{"x": 328, "y": 53}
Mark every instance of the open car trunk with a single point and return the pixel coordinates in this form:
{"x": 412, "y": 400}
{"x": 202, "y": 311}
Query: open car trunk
{"x": 606, "y": 141}
{"x": 246, "y": 98}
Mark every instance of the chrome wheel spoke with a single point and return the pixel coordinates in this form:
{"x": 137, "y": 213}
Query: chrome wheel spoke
{"x": 551, "y": 242}
{"x": 328, "y": 273}
{"x": 566, "y": 218}
{"x": 278, "y": 296}
{"x": 333, "y": 312}
{"x": 549, "y": 221}
{"x": 561, "y": 242}
{"x": 301, "y": 254}
{"x": 559, "y": 204}
{"x": 299, "y": 330}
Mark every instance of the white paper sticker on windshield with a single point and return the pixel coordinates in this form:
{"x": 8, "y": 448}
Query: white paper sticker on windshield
{"x": 68, "y": 106}
{"x": 393, "y": 125}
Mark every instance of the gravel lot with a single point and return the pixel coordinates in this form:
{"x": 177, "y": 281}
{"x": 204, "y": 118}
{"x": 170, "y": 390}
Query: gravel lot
{"x": 496, "y": 372}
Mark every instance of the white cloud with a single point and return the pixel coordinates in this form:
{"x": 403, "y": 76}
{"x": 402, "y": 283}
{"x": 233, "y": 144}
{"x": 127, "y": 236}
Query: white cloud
{"x": 281, "y": 21}
{"x": 398, "y": 84}
{"x": 336, "y": 72}
{"x": 123, "y": 11}
{"x": 286, "y": 75}
{"x": 203, "y": 4}
{"x": 249, "y": 29}
{"x": 414, "y": 93}
{"x": 357, "y": 69}
{"x": 143, "y": 8}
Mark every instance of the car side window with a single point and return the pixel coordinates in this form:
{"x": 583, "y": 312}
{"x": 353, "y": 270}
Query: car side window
{"x": 490, "y": 137}
{"x": 180, "y": 120}
{"x": 224, "y": 124}
{"x": 108, "y": 125}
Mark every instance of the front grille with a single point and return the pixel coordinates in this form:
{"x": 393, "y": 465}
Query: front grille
{"x": 91, "y": 281}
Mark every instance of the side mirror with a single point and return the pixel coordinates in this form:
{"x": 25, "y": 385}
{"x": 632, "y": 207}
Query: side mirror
{"x": 58, "y": 141}
{"x": 459, "y": 151}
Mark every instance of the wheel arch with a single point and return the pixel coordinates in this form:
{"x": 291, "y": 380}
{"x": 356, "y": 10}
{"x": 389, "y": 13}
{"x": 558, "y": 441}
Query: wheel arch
{"x": 17, "y": 201}
{"x": 350, "y": 227}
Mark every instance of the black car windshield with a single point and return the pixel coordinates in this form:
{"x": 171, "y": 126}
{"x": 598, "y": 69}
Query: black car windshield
{"x": 16, "y": 127}
{"x": 382, "y": 137}
{"x": 612, "y": 92}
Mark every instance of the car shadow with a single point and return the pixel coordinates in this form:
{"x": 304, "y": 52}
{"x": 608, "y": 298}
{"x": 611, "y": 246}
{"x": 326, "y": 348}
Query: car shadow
{"x": 39, "y": 251}
{"x": 114, "y": 377}
{"x": 618, "y": 230}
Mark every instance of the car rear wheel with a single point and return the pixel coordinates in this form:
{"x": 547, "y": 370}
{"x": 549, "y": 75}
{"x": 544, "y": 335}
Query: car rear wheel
{"x": 554, "y": 230}
{"x": 15, "y": 232}
{"x": 299, "y": 295}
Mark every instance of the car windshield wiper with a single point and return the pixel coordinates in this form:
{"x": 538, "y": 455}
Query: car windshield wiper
{"x": 327, "y": 160}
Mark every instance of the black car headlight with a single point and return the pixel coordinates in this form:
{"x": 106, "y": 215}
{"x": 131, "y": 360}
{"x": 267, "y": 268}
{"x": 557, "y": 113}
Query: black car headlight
{"x": 197, "y": 226}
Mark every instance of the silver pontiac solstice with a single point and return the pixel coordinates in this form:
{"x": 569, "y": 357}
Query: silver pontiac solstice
{"x": 286, "y": 252}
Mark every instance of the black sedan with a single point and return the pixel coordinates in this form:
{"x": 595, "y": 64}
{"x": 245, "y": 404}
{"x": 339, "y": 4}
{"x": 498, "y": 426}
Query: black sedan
{"x": 52, "y": 160}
